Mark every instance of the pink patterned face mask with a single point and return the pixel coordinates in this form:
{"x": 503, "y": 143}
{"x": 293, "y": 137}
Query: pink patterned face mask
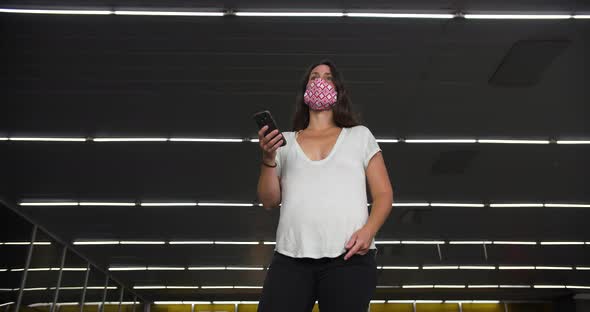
{"x": 320, "y": 95}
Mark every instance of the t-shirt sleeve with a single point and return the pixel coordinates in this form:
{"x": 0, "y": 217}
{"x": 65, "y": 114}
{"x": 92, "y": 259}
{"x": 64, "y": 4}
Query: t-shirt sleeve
{"x": 371, "y": 147}
{"x": 278, "y": 162}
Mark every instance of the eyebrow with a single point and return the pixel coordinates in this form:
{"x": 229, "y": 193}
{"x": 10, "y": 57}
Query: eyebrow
{"x": 315, "y": 72}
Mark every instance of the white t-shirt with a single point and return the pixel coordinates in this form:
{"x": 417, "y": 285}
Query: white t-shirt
{"x": 325, "y": 201}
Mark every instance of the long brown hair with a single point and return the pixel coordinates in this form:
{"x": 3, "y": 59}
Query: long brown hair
{"x": 343, "y": 115}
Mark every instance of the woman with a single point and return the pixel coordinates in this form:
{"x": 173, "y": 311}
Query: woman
{"x": 325, "y": 247}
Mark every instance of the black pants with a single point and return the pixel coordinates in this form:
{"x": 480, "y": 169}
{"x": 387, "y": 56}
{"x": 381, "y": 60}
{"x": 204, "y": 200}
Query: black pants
{"x": 294, "y": 284}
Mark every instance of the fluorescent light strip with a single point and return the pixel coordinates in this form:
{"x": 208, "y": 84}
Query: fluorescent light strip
{"x": 76, "y": 12}
{"x": 516, "y": 205}
{"x": 573, "y": 141}
{"x": 577, "y": 287}
{"x": 161, "y": 268}
{"x": 401, "y": 15}
{"x": 204, "y": 140}
{"x": 134, "y": 268}
{"x": 153, "y": 204}
{"x": 388, "y": 242}
{"x": 449, "y": 286}
{"x": 455, "y": 205}
{"x": 149, "y": 287}
{"x": 514, "y": 243}
{"x": 96, "y": 243}
{"x": 291, "y": 14}
{"x": 245, "y": 268}
{"x": 274, "y": 243}
{"x": 26, "y": 243}
{"x": 517, "y": 16}
{"x": 417, "y": 286}
{"x": 400, "y": 267}
{"x": 6, "y": 304}
{"x": 441, "y": 141}
{"x": 482, "y": 286}
{"x": 142, "y": 242}
{"x": 48, "y": 204}
{"x": 428, "y": 301}
{"x": 477, "y": 267}
{"x": 582, "y": 268}
{"x": 217, "y": 287}
{"x": 169, "y": 13}
{"x": 130, "y": 139}
{"x": 582, "y": 17}
{"x": 562, "y": 243}
{"x": 440, "y": 267}
{"x": 554, "y": 268}
{"x": 410, "y": 242}
{"x": 549, "y": 286}
{"x": 47, "y": 139}
{"x": 387, "y": 140}
{"x": 568, "y": 205}
{"x": 227, "y": 204}
{"x": 191, "y": 242}
{"x": 182, "y": 287}
{"x": 236, "y": 243}
{"x": 106, "y": 204}
{"x": 206, "y": 268}
{"x": 516, "y": 267}
{"x": 410, "y": 204}
{"x": 469, "y": 242}
{"x": 515, "y": 286}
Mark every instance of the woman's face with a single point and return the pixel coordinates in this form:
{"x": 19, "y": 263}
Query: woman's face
{"x": 321, "y": 71}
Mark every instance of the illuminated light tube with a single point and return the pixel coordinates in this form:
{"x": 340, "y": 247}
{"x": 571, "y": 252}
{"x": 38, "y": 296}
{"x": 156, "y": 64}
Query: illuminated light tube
{"x": 106, "y": 204}
{"x": 130, "y": 139}
{"x": 582, "y": 268}
{"x": 96, "y": 242}
{"x": 48, "y": 204}
{"x": 410, "y": 204}
{"x": 236, "y": 243}
{"x": 100, "y": 287}
{"x": 428, "y": 301}
{"x": 440, "y": 267}
{"x": 6, "y": 304}
{"x": 70, "y": 269}
{"x": 449, "y": 286}
{"x": 35, "y": 288}
{"x": 515, "y": 286}
{"x": 227, "y": 204}
{"x": 568, "y": 205}
{"x": 455, "y": 205}
{"x": 400, "y": 15}
{"x": 517, "y": 16}
{"x": 76, "y": 12}
{"x": 137, "y": 268}
{"x": 477, "y": 267}
{"x": 26, "y": 243}
{"x": 291, "y": 14}
{"x": 142, "y": 242}
{"x": 516, "y": 205}
{"x": 248, "y": 287}
{"x": 204, "y": 140}
{"x": 182, "y": 287}
{"x": 68, "y": 288}
{"x": 159, "y": 268}
{"x": 442, "y": 141}
{"x": 191, "y": 242}
{"x": 554, "y": 268}
{"x": 411, "y": 242}
{"x": 400, "y": 267}
{"x": 39, "y": 139}
{"x": 514, "y": 141}
{"x": 577, "y": 287}
{"x": 272, "y": 243}
{"x": 169, "y": 13}
{"x": 3, "y": 270}
{"x": 39, "y": 269}
{"x": 400, "y": 301}
{"x": 573, "y": 141}
{"x": 470, "y": 242}
{"x": 206, "y": 268}
{"x": 153, "y": 204}
{"x": 482, "y": 286}
{"x": 174, "y": 302}
{"x": 3, "y": 139}
{"x": 516, "y": 267}
{"x": 387, "y": 140}
{"x": 562, "y": 243}
{"x": 377, "y": 301}
{"x": 217, "y": 287}
{"x": 245, "y": 268}
{"x": 388, "y": 242}
{"x": 514, "y": 243}
{"x": 149, "y": 287}
{"x": 582, "y": 17}
{"x": 417, "y": 286}
{"x": 550, "y": 286}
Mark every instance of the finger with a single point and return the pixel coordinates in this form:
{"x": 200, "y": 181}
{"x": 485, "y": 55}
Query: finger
{"x": 271, "y": 134}
{"x": 363, "y": 252}
{"x": 352, "y": 251}
{"x": 350, "y": 241}
{"x": 261, "y": 131}
{"x": 277, "y": 145}
{"x": 270, "y": 144}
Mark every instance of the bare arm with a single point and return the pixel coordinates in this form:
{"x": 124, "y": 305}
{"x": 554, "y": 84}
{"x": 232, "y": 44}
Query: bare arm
{"x": 269, "y": 185}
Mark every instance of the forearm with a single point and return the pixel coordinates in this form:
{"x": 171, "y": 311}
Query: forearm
{"x": 380, "y": 210}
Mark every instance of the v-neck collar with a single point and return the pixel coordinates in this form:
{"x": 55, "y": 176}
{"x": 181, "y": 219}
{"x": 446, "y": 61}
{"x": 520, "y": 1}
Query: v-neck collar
{"x": 332, "y": 151}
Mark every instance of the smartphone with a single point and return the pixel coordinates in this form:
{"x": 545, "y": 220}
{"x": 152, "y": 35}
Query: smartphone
{"x": 264, "y": 118}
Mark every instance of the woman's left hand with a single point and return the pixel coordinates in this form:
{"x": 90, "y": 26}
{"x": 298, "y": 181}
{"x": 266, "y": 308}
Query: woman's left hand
{"x": 359, "y": 242}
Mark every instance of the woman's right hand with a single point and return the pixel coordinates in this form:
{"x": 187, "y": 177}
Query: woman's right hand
{"x": 269, "y": 143}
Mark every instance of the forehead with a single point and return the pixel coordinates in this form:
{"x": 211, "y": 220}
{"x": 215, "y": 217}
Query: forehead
{"x": 321, "y": 69}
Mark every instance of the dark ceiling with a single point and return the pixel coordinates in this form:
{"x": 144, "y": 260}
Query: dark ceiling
{"x": 138, "y": 76}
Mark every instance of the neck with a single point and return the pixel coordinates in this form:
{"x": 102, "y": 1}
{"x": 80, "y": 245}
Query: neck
{"x": 321, "y": 120}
